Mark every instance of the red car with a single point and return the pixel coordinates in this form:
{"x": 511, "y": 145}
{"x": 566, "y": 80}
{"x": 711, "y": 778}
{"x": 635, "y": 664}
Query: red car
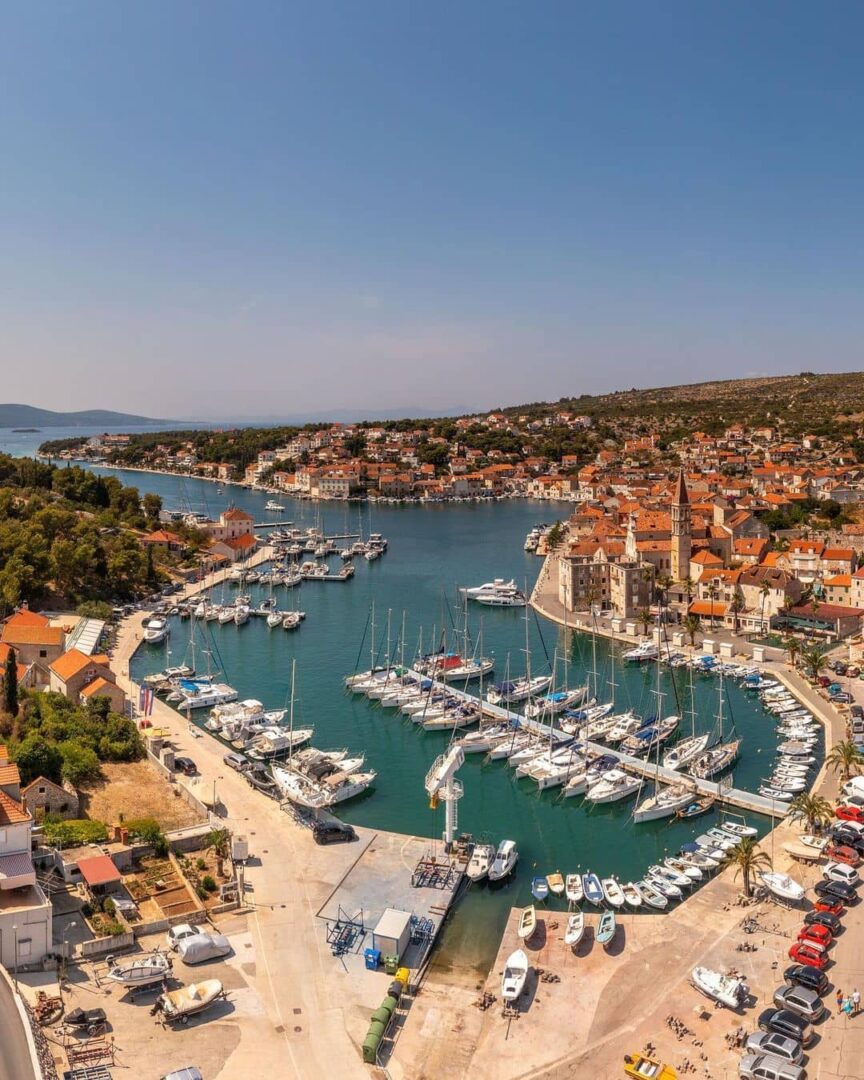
{"x": 844, "y": 854}
{"x": 812, "y": 955}
{"x": 847, "y": 812}
{"x": 824, "y": 904}
{"x": 816, "y": 935}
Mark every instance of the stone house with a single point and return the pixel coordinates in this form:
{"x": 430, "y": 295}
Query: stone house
{"x": 43, "y": 796}
{"x": 82, "y": 678}
{"x": 35, "y": 641}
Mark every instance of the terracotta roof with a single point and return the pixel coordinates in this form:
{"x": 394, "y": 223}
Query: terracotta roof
{"x": 26, "y": 617}
{"x": 32, "y": 634}
{"x": 11, "y": 812}
{"x": 839, "y": 580}
{"x": 98, "y": 870}
{"x": 96, "y": 687}
{"x": 239, "y": 543}
{"x": 70, "y": 663}
{"x": 838, "y": 553}
{"x": 161, "y": 536}
{"x": 237, "y": 515}
{"x": 826, "y": 611}
{"x": 705, "y": 558}
{"x": 705, "y": 607}
{"x": 9, "y": 775}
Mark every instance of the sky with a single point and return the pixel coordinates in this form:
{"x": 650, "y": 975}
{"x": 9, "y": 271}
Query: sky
{"x": 213, "y": 209}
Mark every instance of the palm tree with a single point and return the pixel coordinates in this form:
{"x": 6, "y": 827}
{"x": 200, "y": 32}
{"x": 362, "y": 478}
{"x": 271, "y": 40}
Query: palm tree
{"x": 645, "y": 618}
{"x": 663, "y": 583}
{"x": 845, "y": 758}
{"x": 813, "y": 809}
{"x": 692, "y": 626}
{"x": 747, "y": 860}
{"x": 219, "y": 842}
{"x": 689, "y": 585}
{"x": 793, "y": 648}
{"x": 764, "y": 593}
{"x": 814, "y": 661}
{"x": 736, "y": 605}
{"x": 712, "y": 596}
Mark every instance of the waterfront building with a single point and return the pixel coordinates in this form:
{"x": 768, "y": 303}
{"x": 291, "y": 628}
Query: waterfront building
{"x": 82, "y": 678}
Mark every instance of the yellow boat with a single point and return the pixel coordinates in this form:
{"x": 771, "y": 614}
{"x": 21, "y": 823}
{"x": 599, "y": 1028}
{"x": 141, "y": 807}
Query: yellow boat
{"x": 647, "y": 1068}
{"x": 556, "y": 883}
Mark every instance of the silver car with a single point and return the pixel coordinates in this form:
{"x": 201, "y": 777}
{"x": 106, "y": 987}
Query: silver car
{"x": 769, "y": 1067}
{"x": 801, "y": 1001}
{"x": 767, "y": 1042}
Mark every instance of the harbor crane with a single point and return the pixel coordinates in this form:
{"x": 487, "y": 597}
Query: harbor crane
{"x": 441, "y": 784}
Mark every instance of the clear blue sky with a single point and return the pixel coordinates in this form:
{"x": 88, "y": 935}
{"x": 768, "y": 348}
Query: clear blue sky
{"x": 239, "y": 209}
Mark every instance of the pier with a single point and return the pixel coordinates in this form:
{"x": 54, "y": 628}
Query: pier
{"x": 717, "y": 789}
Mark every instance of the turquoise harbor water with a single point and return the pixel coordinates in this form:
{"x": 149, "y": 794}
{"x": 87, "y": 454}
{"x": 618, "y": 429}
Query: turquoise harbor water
{"x": 432, "y": 551}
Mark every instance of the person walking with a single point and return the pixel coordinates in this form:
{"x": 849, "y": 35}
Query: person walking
{"x": 856, "y": 1002}
{"x": 839, "y": 996}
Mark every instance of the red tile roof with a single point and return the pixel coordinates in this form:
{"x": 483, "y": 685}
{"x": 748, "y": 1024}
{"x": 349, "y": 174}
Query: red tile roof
{"x": 98, "y": 870}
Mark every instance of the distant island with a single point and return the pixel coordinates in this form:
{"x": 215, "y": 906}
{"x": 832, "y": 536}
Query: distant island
{"x": 29, "y": 418}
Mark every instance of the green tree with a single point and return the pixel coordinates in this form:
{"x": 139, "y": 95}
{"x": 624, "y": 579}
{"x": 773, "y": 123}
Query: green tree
{"x": 36, "y": 757}
{"x": 692, "y": 626}
{"x": 554, "y": 537}
{"x": 10, "y": 683}
{"x": 736, "y": 606}
{"x": 712, "y": 596}
{"x": 80, "y": 763}
{"x": 764, "y": 593}
{"x": 747, "y": 860}
{"x": 812, "y": 809}
{"x": 793, "y": 649}
{"x": 814, "y": 661}
{"x": 152, "y": 505}
{"x": 645, "y": 618}
{"x": 844, "y": 758}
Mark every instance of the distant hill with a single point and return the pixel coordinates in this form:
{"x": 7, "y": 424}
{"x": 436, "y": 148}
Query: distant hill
{"x": 28, "y": 416}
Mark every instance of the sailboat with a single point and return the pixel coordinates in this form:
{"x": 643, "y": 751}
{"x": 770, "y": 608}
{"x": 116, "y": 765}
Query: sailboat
{"x": 720, "y": 757}
{"x": 665, "y": 800}
{"x": 687, "y": 750}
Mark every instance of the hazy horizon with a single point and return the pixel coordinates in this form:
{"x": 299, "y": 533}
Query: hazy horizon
{"x": 225, "y": 211}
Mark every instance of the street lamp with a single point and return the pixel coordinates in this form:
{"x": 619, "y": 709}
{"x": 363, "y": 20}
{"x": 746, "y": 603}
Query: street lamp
{"x": 215, "y": 778}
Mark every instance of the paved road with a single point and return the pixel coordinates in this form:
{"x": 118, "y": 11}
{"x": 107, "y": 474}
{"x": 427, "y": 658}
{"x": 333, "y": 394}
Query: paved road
{"x": 15, "y": 1063}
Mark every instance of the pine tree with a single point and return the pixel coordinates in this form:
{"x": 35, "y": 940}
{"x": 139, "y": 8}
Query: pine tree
{"x": 10, "y": 684}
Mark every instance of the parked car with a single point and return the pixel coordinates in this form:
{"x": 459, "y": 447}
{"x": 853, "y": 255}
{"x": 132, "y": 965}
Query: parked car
{"x": 843, "y": 853}
{"x": 766, "y": 1042}
{"x": 185, "y": 765}
{"x": 833, "y": 907}
{"x": 841, "y": 697}
{"x": 768, "y": 1067}
{"x": 803, "y": 952}
{"x": 179, "y": 933}
{"x": 824, "y": 918}
{"x": 190, "y": 1072}
{"x": 846, "y": 838}
{"x": 802, "y": 975}
{"x": 838, "y": 871}
{"x": 836, "y": 890}
{"x": 841, "y": 667}
{"x": 854, "y": 786}
{"x": 784, "y": 1022}
{"x": 335, "y": 832}
{"x": 798, "y": 999}
{"x": 202, "y": 947}
{"x": 823, "y": 680}
{"x": 235, "y": 761}
{"x": 816, "y": 935}
{"x": 849, "y": 812}
{"x": 853, "y": 671}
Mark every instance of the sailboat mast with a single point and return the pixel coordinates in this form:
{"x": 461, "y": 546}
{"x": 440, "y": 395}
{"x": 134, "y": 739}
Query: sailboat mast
{"x": 291, "y": 712}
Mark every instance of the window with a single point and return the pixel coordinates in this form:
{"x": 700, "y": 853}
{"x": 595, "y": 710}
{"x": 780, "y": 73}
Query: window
{"x": 43, "y": 653}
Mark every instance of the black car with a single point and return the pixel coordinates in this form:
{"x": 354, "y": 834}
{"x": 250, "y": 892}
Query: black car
{"x": 784, "y": 1022}
{"x": 332, "y": 832}
{"x": 826, "y": 919}
{"x": 185, "y": 765}
{"x": 838, "y": 890}
{"x": 849, "y": 838}
{"x": 806, "y": 976}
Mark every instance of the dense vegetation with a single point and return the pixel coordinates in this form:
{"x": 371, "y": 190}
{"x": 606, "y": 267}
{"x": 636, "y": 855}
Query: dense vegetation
{"x": 55, "y": 738}
{"x": 70, "y": 532}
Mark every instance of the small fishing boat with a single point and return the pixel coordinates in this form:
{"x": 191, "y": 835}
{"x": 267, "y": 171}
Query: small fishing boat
{"x": 592, "y": 889}
{"x": 651, "y": 896}
{"x": 698, "y": 806}
{"x": 539, "y": 888}
{"x": 573, "y": 888}
{"x": 782, "y": 886}
{"x": 817, "y": 843}
{"x": 575, "y": 928}
{"x": 664, "y": 886}
{"x": 739, "y": 830}
{"x": 729, "y": 990}
{"x": 188, "y": 1000}
{"x": 556, "y": 883}
{"x": 515, "y": 974}
{"x": 613, "y": 892}
{"x": 527, "y": 923}
{"x": 480, "y": 861}
{"x": 632, "y": 894}
{"x": 606, "y": 928}
{"x": 505, "y": 860}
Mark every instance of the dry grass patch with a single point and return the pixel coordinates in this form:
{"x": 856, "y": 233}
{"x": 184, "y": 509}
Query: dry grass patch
{"x": 135, "y": 790}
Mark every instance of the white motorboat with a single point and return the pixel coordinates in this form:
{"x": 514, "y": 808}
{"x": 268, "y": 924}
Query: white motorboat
{"x": 729, "y": 990}
{"x": 277, "y": 742}
{"x": 651, "y": 895}
{"x": 662, "y": 885}
{"x": 577, "y": 784}
{"x": 782, "y": 885}
{"x": 575, "y": 928}
{"x": 527, "y": 923}
{"x": 687, "y": 868}
{"x": 195, "y": 695}
{"x": 136, "y": 971}
{"x": 498, "y": 585}
{"x": 646, "y": 650}
{"x": 613, "y": 892}
{"x": 273, "y": 507}
{"x": 480, "y": 862}
{"x": 683, "y": 881}
{"x": 505, "y": 860}
{"x": 613, "y": 786}
{"x": 515, "y": 975}
{"x": 333, "y": 789}
{"x": 513, "y": 599}
{"x": 156, "y": 630}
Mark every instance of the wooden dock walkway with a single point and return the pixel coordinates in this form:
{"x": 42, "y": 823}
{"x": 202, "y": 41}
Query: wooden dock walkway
{"x": 722, "y": 792}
